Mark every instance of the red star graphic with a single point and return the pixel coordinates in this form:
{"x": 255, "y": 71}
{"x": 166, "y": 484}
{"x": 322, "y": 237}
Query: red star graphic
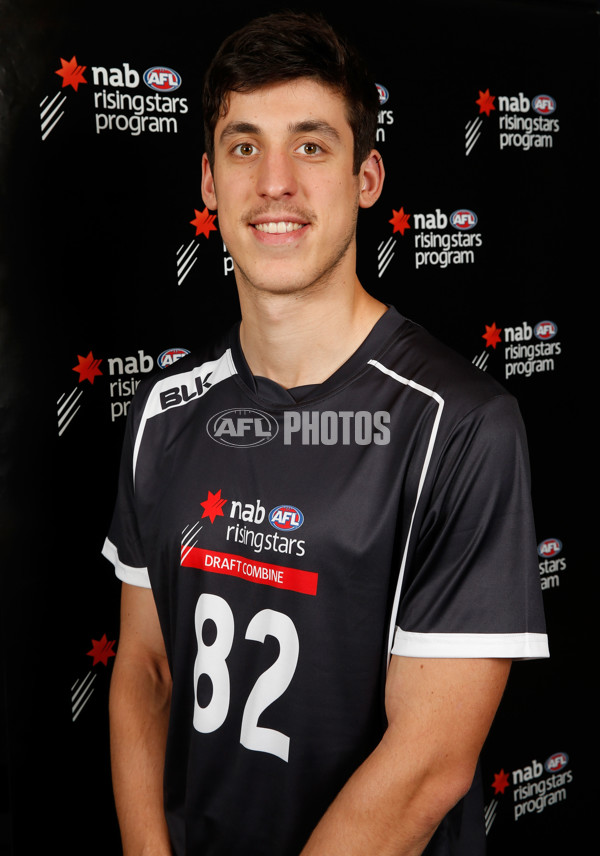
{"x": 71, "y": 73}
{"x": 88, "y": 368}
{"x": 492, "y": 335}
{"x": 101, "y": 650}
{"x": 500, "y": 782}
{"x": 213, "y": 506}
{"x": 486, "y": 102}
{"x": 204, "y": 222}
{"x": 399, "y": 221}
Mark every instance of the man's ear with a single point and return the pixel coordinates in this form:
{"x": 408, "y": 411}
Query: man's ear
{"x": 371, "y": 178}
{"x": 209, "y": 195}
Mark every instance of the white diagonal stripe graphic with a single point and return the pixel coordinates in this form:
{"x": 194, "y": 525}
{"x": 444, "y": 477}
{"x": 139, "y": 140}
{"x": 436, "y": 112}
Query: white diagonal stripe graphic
{"x": 52, "y": 126}
{"x": 490, "y": 815}
{"x": 186, "y": 262}
{"x": 192, "y": 532}
{"x": 481, "y": 360}
{"x": 473, "y": 125}
{"x": 186, "y": 545}
{"x": 50, "y": 103}
{"x": 385, "y": 254}
{"x": 49, "y": 115}
{"x": 67, "y": 410}
{"x": 82, "y": 694}
{"x": 184, "y": 270}
{"x": 383, "y": 269}
{"x": 472, "y": 134}
{"x": 189, "y": 247}
{"x": 384, "y": 247}
{"x": 80, "y": 685}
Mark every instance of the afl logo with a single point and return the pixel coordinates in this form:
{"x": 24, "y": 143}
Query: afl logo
{"x": 286, "y": 517}
{"x": 550, "y": 547}
{"x": 543, "y": 104}
{"x": 170, "y": 356}
{"x": 162, "y": 79}
{"x": 545, "y": 330}
{"x": 243, "y": 428}
{"x": 383, "y": 93}
{"x": 556, "y": 762}
{"x": 463, "y": 219}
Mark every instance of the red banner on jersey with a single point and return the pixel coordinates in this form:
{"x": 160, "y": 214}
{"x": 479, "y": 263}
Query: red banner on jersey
{"x": 265, "y": 574}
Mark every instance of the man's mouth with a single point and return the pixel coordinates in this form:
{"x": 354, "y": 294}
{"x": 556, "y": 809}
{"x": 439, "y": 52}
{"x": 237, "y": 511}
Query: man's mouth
{"x": 278, "y": 227}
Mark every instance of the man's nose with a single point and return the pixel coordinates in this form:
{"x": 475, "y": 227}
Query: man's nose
{"x": 276, "y": 175}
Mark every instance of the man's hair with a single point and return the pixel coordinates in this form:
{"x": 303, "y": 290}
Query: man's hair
{"x": 286, "y": 46}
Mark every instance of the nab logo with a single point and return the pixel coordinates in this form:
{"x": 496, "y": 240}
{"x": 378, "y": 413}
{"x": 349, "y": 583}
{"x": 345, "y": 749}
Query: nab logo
{"x": 556, "y": 762}
{"x": 286, "y": 517}
{"x": 463, "y": 219}
{"x": 244, "y": 428}
{"x": 162, "y": 79}
{"x": 550, "y": 547}
{"x": 545, "y": 330}
{"x": 170, "y": 356}
{"x": 383, "y": 93}
{"x": 543, "y": 104}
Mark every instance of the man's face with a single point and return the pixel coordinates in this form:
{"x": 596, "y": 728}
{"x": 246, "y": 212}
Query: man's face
{"x": 283, "y": 186}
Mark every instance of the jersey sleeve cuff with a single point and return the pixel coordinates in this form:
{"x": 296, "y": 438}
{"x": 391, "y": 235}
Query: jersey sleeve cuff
{"x": 126, "y": 573}
{"x": 513, "y": 646}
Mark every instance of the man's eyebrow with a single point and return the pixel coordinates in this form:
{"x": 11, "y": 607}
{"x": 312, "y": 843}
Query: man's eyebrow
{"x": 233, "y": 128}
{"x": 318, "y": 126}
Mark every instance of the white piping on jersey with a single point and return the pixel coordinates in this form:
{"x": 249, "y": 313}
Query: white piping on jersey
{"x": 220, "y": 369}
{"x": 440, "y": 406}
{"x": 126, "y": 573}
{"x": 513, "y": 646}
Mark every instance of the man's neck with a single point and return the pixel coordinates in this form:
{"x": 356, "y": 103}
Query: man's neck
{"x": 299, "y": 339}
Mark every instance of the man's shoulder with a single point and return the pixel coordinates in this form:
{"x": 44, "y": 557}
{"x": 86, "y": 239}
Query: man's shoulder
{"x": 420, "y": 359}
{"x": 186, "y": 379}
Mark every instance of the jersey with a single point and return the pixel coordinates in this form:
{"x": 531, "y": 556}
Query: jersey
{"x": 294, "y": 541}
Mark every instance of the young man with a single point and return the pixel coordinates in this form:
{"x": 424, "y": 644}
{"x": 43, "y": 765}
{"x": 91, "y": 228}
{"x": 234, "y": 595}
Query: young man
{"x": 323, "y": 523}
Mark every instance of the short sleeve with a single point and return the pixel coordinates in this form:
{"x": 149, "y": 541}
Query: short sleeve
{"x": 472, "y": 586}
{"x": 123, "y": 546}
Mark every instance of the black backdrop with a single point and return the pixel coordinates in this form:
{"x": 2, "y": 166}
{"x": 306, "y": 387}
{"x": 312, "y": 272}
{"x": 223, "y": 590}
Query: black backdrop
{"x": 485, "y": 234}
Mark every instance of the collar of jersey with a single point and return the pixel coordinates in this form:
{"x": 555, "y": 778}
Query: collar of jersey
{"x": 267, "y": 392}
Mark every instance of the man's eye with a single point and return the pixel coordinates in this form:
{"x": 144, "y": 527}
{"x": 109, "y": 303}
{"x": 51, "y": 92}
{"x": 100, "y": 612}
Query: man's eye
{"x": 309, "y": 149}
{"x": 244, "y": 149}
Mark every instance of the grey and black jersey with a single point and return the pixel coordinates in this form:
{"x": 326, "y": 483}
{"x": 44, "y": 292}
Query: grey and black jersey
{"x": 294, "y": 540}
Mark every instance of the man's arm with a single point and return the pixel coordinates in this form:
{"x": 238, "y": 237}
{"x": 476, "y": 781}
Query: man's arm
{"x": 439, "y": 713}
{"x": 140, "y": 695}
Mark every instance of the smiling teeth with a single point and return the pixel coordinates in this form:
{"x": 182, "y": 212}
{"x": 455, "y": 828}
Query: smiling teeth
{"x": 278, "y": 228}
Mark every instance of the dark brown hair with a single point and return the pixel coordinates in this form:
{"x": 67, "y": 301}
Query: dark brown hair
{"x": 286, "y": 46}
